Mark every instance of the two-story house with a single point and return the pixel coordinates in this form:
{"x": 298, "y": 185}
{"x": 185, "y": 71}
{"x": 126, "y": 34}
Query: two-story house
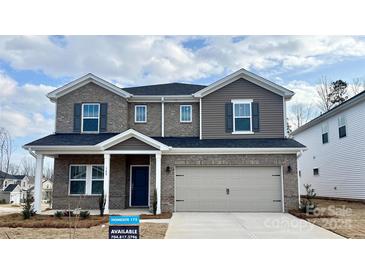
{"x": 220, "y": 147}
{"x": 334, "y": 163}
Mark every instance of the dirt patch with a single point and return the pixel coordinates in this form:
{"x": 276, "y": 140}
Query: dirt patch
{"x": 165, "y": 215}
{"x": 44, "y": 221}
{"x": 147, "y": 231}
{"x": 342, "y": 217}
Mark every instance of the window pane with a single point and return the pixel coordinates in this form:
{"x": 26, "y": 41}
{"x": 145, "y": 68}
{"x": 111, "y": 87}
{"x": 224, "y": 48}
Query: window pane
{"x": 97, "y": 187}
{"x": 77, "y": 187}
{"x": 98, "y": 172}
{"x": 242, "y": 109}
{"x": 185, "y": 113}
{"x": 91, "y": 111}
{"x": 325, "y": 138}
{"x": 90, "y": 125}
{"x": 140, "y": 113}
{"x": 341, "y": 121}
{"x": 342, "y": 131}
{"x": 242, "y": 124}
{"x": 78, "y": 172}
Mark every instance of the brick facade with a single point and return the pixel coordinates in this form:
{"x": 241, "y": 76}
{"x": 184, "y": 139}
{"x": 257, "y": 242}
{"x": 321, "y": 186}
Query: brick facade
{"x": 290, "y": 180}
{"x": 120, "y": 177}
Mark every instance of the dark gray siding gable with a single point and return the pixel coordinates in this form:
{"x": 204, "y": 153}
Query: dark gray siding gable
{"x": 270, "y": 111}
{"x": 132, "y": 144}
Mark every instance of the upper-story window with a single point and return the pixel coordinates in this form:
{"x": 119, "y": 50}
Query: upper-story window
{"x": 90, "y": 117}
{"x": 140, "y": 114}
{"x": 185, "y": 113}
{"x": 242, "y": 116}
{"x": 324, "y": 133}
{"x": 342, "y": 126}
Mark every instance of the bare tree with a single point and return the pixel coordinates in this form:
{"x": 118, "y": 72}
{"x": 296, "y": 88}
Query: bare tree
{"x": 357, "y": 86}
{"x": 28, "y": 166}
{"x": 5, "y": 149}
{"x": 48, "y": 171}
{"x": 323, "y": 91}
{"x": 302, "y": 114}
{"x": 14, "y": 169}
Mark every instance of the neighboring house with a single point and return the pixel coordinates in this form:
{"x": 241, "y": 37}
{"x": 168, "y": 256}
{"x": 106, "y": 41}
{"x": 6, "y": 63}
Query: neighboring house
{"x": 334, "y": 163}
{"x": 14, "y": 192}
{"x": 220, "y": 147}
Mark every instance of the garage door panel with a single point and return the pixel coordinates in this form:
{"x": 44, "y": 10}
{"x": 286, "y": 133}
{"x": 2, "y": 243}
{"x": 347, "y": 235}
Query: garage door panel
{"x": 250, "y": 189}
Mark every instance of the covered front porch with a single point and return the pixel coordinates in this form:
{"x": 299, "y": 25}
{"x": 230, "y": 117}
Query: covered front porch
{"x": 125, "y": 168}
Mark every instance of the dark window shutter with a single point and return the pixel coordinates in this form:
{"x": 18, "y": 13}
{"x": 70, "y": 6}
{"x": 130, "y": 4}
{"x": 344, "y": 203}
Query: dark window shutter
{"x": 77, "y": 117}
{"x": 229, "y": 117}
{"x": 255, "y": 117}
{"x": 103, "y": 117}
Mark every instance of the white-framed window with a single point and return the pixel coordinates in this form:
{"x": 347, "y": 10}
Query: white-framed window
{"x": 324, "y": 133}
{"x": 140, "y": 113}
{"x": 186, "y": 113}
{"x": 342, "y": 126}
{"x": 242, "y": 116}
{"x": 90, "y": 117}
{"x": 86, "y": 179}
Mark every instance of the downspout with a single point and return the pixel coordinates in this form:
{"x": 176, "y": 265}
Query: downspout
{"x": 162, "y": 116}
{"x": 200, "y": 119}
{"x": 32, "y": 153}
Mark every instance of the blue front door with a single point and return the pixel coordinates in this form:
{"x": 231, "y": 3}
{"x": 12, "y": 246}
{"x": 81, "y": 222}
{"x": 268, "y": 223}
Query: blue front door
{"x": 139, "y": 191}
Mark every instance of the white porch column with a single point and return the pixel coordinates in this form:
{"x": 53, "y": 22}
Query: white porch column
{"x": 38, "y": 183}
{"x": 158, "y": 181}
{"x": 106, "y": 181}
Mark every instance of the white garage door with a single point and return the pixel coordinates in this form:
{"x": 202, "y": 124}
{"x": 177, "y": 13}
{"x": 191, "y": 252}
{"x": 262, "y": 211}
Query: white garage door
{"x": 251, "y": 189}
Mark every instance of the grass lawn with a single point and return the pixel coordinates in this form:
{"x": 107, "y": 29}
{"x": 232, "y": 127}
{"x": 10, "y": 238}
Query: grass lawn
{"x": 13, "y": 226}
{"x": 344, "y": 218}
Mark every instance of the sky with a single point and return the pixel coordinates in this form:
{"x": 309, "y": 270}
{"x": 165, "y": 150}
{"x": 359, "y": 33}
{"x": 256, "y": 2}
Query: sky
{"x": 32, "y": 66}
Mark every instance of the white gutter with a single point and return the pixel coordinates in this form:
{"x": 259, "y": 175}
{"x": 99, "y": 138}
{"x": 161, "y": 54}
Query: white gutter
{"x": 162, "y": 117}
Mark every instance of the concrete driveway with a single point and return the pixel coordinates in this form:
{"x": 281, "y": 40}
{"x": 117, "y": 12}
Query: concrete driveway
{"x": 243, "y": 226}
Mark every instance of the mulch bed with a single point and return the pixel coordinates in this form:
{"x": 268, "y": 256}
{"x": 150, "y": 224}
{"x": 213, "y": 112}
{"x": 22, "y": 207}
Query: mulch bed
{"x": 165, "y": 215}
{"x": 44, "y": 221}
{"x": 305, "y": 216}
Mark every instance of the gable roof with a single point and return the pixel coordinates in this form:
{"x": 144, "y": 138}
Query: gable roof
{"x": 4, "y": 175}
{"x": 165, "y": 89}
{"x": 343, "y": 106}
{"x": 88, "y": 78}
{"x": 10, "y": 188}
{"x": 249, "y": 76}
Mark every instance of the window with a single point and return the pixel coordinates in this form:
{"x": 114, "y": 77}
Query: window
{"x": 78, "y": 180}
{"x": 86, "y": 179}
{"x": 342, "y": 126}
{"x": 185, "y": 114}
{"x": 315, "y": 171}
{"x": 90, "y": 117}
{"x": 97, "y": 180}
{"x": 242, "y": 116}
{"x": 325, "y": 133}
{"x": 140, "y": 114}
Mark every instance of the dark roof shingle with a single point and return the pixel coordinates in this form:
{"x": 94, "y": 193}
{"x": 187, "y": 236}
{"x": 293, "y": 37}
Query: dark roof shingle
{"x": 165, "y": 89}
{"x": 76, "y": 139}
{"x": 195, "y": 142}
{"x": 10, "y": 188}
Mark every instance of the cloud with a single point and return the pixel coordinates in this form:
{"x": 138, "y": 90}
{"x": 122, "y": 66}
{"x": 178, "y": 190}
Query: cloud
{"x": 136, "y": 60}
{"x": 26, "y": 111}
{"x": 7, "y": 85}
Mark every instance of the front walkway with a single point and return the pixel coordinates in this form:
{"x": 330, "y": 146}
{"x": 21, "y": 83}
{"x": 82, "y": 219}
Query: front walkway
{"x": 243, "y": 226}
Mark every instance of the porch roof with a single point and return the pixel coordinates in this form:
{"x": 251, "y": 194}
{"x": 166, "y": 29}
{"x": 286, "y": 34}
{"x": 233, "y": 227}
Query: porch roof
{"x": 77, "y": 139}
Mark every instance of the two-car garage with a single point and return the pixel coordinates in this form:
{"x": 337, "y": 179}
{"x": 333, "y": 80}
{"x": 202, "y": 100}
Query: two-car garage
{"x": 228, "y": 189}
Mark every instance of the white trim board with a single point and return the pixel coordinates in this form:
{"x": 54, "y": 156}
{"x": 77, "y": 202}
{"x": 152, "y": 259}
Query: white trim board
{"x": 84, "y": 80}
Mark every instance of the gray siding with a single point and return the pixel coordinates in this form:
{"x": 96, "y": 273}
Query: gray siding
{"x": 117, "y": 108}
{"x": 173, "y": 127}
{"x": 153, "y": 125}
{"x": 270, "y": 106}
{"x": 132, "y": 144}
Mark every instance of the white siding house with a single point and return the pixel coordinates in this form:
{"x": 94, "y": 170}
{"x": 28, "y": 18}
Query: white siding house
{"x": 335, "y": 168}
